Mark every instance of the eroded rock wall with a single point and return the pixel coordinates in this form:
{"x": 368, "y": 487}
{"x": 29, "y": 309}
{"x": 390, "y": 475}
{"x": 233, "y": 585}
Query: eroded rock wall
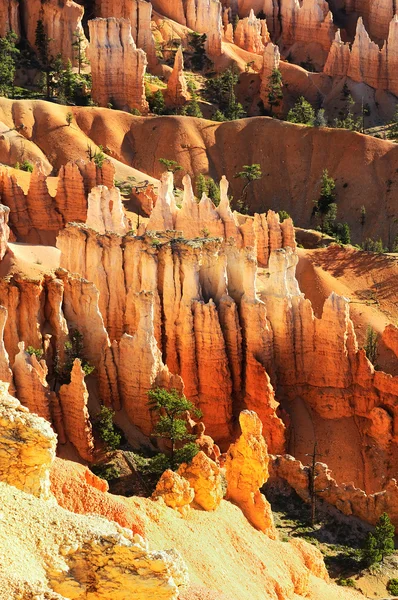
{"x": 9, "y": 17}
{"x": 365, "y": 62}
{"x": 61, "y": 20}
{"x": 117, "y": 65}
{"x": 139, "y": 13}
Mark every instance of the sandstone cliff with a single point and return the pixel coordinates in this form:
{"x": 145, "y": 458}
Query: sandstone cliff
{"x": 117, "y": 66}
{"x": 61, "y": 20}
{"x": 365, "y": 62}
{"x": 139, "y": 13}
{"x": 251, "y": 34}
{"x": 37, "y": 217}
{"x": 9, "y": 17}
{"x": 203, "y": 16}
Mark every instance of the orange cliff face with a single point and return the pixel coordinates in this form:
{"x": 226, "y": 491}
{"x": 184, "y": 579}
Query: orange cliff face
{"x": 365, "y": 62}
{"x": 117, "y": 65}
{"x": 188, "y": 306}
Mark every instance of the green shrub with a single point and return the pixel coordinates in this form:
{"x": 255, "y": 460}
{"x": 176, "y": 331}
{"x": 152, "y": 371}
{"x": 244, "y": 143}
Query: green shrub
{"x": 106, "y": 471}
{"x": 370, "y": 245}
{"x": 73, "y": 348}
{"x": 36, "y": 351}
{"x": 346, "y": 582}
{"x": 25, "y": 166}
{"x": 392, "y": 587}
{"x": 106, "y": 428}
{"x": 283, "y": 215}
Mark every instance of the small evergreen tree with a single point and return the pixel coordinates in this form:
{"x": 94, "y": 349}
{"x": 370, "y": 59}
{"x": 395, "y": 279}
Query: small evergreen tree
{"x": 73, "y": 348}
{"x": 302, "y": 112}
{"x": 69, "y": 118}
{"x": 79, "y": 51}
{"x": 342, "y": 233}
{"x": 46, "y": 60}
{"x": 371, "y": 345}
{"x": 198, "y": 60}
{"x": 156, "y": 103}
{"x": 325, "y": 207}
{"x": 67, "y": 83}
{"x": 380, "y": 543}
{"x": 171, "y": 165}
{"x": 320, "y": 119}
{"x": 275, "y": 89}
{"x": 192, "y": 109}
{"x": 106, "y": 428}
{"x": 250, "y": 173}
{"x": 8, "y": 59}
{"x": 207, "y": 185}
{"x": 219, "y": 116}
{"x": 221, "y": 90}
{"x": 171, "y": 407}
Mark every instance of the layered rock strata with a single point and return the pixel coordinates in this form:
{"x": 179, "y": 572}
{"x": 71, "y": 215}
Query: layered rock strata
{"x": 139, "y": 13}
{"x": 377, "y": 15}
{"x": 117, "y": 65}
{"x": 364, "y": 62}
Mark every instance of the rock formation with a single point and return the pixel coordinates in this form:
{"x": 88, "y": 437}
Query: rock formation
{"x": 365, "y": 62}
{"x": 73, "y": 399}
{"x": 247, "y": 471}
{"x": 271, "y": 60}
{"x": 61, "y": 20}
{"x": 9, "y": 17}
{"x": 4, "y": 230}
{"x": 204, "y": 477}
{"x": 27, "y": 447}
{"x": 177, "y": 92}
{"x": 37, "y": 217}
{"x": 251, "y": 34}
{"x": 105, "y": 211}
{"x": 377, "y": 15}
{"x": 175, "y": 491}
{"x": 139, "y": 13}
{"x": 349, "y": 499}
{"x": 117, "y": 66}
{"x": 203, "y": 16}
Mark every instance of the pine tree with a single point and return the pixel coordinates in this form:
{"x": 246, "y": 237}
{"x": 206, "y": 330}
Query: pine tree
{"x": 275, "y": 89}
{"x": 380, "y": 543}
{"x": 171, "y": 408}
{"x": 302, "y": 112}
{"x": 320, "y": 119}
{"x": 68, "y": 82}
{"x": 250, "y": 173}
{"x": 8, "y": 56}
{"x": 78, "y": 46}
{"x": 325, "y": 207}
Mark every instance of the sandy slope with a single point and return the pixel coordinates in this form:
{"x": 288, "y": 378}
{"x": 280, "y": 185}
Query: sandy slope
{"x": 292, "y": 157}
{"x": 231, "y": 559}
